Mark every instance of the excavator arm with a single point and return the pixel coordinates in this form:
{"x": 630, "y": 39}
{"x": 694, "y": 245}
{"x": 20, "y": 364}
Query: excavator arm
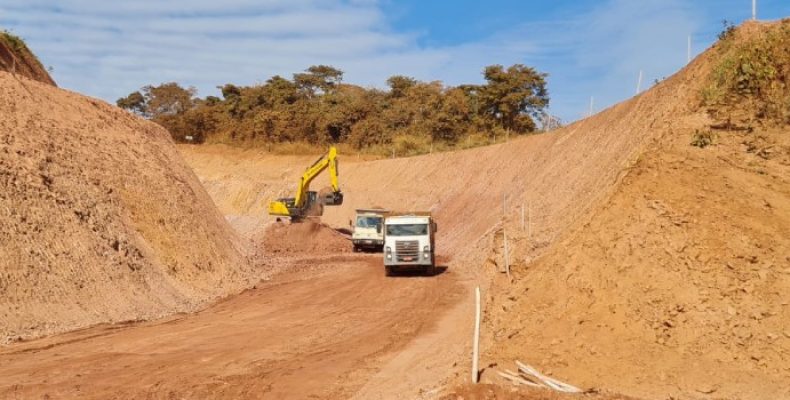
{"x": 306, "y": 202}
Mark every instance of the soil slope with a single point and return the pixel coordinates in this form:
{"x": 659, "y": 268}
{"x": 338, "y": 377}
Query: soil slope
{"x": 101, "y": 219}
{"x": 677, "y": 285}
{"x": 15, "y": 57}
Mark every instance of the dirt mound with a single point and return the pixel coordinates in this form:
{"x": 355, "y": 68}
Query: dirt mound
{"x": 15, "y": 57}
{"x": 676, "y": 286}
{"x": 101, "y": 219}
{"x": 304, "y": 238}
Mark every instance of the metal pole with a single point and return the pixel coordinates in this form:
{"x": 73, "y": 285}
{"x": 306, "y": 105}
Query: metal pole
{"x": 639, "y": 83}
{"x": 688, "y": 51}
{"x": 476, "y": 339}
{"x": 754, "y": 10}
{"x": 591, "y": 106}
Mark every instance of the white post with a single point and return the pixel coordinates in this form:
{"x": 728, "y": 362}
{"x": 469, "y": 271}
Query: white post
{"x": 754, "y": 10}
{"x": 476, "y": 338}
{"x": 507, "y": 256}
{"x": 639, "y": 83}
{"x": 591, "y": 106}
{"x": 688, "y": 51}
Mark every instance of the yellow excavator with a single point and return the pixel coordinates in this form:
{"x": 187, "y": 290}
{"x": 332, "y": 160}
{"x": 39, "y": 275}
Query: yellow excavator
{"x": 307, "y": 202}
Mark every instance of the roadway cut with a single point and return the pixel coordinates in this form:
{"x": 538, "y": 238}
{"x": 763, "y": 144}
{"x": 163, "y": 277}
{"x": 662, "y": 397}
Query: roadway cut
{"x": 621, "y": 249}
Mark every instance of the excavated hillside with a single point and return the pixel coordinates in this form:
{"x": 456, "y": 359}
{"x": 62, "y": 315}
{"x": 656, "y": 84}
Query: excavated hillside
{"x": 102, "y": 221}
{"x": 16, "y": 57}
{"x": 677, "y": 285}
{"x": 653, "y": 256}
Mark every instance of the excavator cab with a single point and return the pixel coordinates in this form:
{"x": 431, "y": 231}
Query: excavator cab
{"x": 307, "y": 202}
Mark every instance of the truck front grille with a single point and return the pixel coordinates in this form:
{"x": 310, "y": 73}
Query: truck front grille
{"x": 407, "y": 250}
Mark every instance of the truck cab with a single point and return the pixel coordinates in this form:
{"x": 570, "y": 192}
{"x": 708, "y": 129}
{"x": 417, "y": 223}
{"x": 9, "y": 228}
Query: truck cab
{"x": 368, "y": 229}
{"x": 409, "y": 243}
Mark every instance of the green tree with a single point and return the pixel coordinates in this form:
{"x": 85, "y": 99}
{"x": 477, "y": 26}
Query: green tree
{"x": 400, "y": 84}
{"x": 168, "y": 99}
{"x": 513, "y": 96}
{"x": 134, "y": 102}
{"x": 318, "y": 79}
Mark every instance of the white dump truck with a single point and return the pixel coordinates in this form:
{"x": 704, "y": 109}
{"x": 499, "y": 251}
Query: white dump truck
{"x": 409, "y": 243}
{"x": 368, "y": 229}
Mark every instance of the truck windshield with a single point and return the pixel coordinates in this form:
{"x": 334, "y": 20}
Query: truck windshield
{"x": 407, "y": 230}
{"x": 368, "y": 222}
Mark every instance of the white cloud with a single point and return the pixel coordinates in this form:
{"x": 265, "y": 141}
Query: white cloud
{"x": 108, "y": 49}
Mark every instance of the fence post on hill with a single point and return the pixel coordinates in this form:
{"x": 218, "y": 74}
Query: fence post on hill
{"x": 639, "y": 83}
{"x": 507, "y": 255}
{"x": 754, "y": 10}
{"x": 476, "y": 338}
{"x": 688, "y": 51}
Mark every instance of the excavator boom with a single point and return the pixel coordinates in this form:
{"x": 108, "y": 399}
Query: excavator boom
{"x": 306, "y": 202}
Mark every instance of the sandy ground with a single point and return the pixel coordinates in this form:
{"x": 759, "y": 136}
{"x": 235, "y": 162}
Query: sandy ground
{"x": 102, "y": 220}
{"x": 319, "y": 330}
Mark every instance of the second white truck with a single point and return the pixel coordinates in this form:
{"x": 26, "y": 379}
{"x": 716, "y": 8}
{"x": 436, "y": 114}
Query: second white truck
{"x": 368, "y": 229}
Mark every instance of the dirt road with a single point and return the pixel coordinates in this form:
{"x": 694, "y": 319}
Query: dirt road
{"x": 320, "y": 329}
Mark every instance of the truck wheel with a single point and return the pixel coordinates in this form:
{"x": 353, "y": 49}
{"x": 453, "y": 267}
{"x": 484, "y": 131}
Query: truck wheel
{"x": 356, "y": 249}
{"x": 430, "y": 270}
{"x": 389, "y": 270}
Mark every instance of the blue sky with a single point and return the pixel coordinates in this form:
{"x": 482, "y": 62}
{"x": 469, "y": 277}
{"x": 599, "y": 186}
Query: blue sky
{"x": 589, "y": 48}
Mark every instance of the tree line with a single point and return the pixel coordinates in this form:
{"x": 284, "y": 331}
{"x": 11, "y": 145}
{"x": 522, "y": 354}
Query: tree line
{"x": 317, "y": 107}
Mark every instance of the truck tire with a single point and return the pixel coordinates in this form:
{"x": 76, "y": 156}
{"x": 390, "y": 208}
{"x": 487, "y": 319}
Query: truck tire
{"x": 389, "y": 270}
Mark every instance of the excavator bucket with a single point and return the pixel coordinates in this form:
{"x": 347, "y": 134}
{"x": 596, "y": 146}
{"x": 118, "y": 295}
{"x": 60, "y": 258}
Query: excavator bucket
{"x": 333, "y": 199}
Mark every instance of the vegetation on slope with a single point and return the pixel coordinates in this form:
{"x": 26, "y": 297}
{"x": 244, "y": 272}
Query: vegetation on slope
{"x": 17, "y": 58}
{"x": 751, "y": 80}
{"x": 316, "y": 107}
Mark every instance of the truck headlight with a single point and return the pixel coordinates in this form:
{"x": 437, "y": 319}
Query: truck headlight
{"x": 426, "y": 251}
{"x": 388, "y": 249}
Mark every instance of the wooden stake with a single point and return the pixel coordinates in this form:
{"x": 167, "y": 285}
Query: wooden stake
{"x": 476, "y": 339}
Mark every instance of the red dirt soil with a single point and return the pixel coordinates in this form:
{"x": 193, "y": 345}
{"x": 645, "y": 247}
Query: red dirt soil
{"x": 307, "y": 237}
{"x": 101, "y": 219}
{"x": 676, "y": 285}
{"x": 648, "y": 267}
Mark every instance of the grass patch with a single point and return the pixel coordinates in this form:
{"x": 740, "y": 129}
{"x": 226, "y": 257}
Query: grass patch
{"x": 752, "y": 75}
